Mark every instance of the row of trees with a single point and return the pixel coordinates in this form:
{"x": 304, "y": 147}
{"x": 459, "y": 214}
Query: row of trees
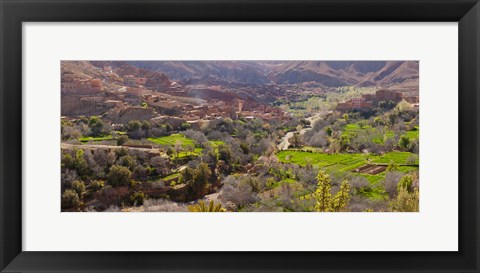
{"x": 378, "y": 134}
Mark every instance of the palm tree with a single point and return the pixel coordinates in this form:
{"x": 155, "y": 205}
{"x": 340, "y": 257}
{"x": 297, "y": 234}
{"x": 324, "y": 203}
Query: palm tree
{"x": 202, "y": 207}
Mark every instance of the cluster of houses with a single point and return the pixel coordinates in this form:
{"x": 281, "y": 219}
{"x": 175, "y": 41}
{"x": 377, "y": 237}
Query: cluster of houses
{"x": 76, "y": 85}
{"x": 366, "y": 101}
{"x": 218, "y": 108}
{"x": 121, "y": 101}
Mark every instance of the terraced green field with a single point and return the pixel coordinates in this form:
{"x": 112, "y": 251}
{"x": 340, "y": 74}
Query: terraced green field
{"x": 87, "y": 139}
{"x": 172, "y": 139}
{"x": 349, "y": 162}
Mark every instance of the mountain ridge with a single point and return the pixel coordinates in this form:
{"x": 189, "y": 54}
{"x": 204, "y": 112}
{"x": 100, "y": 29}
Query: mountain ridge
{"x": 328, "y": 73}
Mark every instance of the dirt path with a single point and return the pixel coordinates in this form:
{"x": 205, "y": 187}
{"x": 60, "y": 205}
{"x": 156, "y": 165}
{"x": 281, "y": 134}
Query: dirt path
{"x": 285, "y": 144}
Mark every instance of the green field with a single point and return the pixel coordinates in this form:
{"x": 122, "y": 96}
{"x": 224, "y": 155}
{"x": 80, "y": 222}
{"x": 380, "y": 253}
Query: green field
{"x": 400, "y": 158}
{"x": 349, "y": 162}
{"x": 413, "y": 134}
{"x": 87, "y": 139}
{"x": 172, "y": 139}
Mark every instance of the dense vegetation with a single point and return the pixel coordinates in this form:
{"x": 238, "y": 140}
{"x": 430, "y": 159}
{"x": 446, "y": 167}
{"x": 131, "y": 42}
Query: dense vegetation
{"x": 338, "y": 162}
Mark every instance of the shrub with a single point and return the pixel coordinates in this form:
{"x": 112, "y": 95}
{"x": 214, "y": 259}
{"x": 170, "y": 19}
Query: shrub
{"x": 96, "y": 126}
{"x": 140, "y": 173}
{"x": 405, "y": 201}
{"x": 391, "y": 181}
{"x": 119, "y": 176}
{"x": 238, "y": 192}
{"x": 359, "y": 183}
{"x": 79, "y": 187}
{"x": 404, "y": 142}
{"x": 405, "y": 183}
{"x": 70, "y": 199}
{"x": 127, "y": 161}
{"x": 202, "y": 207}
{"x": 133, "y": 125}
{"x": 95, "y": 185}
{"x": 122, "y": 140}
{"x": 137, "y": 198}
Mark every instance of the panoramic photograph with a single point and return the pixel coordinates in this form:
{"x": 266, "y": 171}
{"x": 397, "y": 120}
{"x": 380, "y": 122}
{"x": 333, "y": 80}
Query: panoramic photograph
{"x": 239, "y": 136}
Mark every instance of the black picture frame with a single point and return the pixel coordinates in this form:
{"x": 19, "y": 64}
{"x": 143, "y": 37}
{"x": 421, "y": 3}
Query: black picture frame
{"x": 15, "y": 12}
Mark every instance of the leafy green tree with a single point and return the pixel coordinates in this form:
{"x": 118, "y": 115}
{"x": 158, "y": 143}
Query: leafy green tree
{"x": 122, "y": 140}
{"x": 170, "y": 151}
{"x": 70, "y": 199}
{"x": 134, "y": 125}
{"x": 378, "y": 121}
{"x": 392, "y": 167}
{"x": 146, "y": 125}
{"x": 77, "y": 163}
{"x": 405, "y": 183}
{"x": 137, "y": 198}
{"x": 186, "y": 175}
{"x": 328, "y": 130}
{"x": 79, "y": 187}
{"x": 202, "y": 174}
{"x": 95, "y": 185}
{"x": 185, "y": 126}
{"x": 96, "y": 126}
{"x": 225, "y": 153}
{"x": 119, "y": 176}
{"x": 168, "y": 127}
{"x": 127, "y": 161}
{"x": 200, "y": 177}
{"x": 404, "y": 142}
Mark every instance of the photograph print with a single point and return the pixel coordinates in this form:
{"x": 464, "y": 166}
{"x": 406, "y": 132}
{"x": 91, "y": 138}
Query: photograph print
{"x": 239, "y": 136}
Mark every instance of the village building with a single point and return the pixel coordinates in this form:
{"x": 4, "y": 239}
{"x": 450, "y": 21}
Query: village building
{"x": 71, "y": 84}
{"x": 366, "y": 101}
{"x": 129, "y": 80}
{"x": 388, "y": 95}
{"x": 134, "y": 91}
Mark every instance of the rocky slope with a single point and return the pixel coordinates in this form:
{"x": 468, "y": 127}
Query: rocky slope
{"x": 328, "y": 73}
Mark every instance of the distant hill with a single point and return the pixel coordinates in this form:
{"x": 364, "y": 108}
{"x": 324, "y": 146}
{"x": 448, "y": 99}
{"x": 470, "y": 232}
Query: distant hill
{"x": 200, "y": 71}
{"x": 155, "y": 79}
{"x": 327, "y": 73}
{"x": 343, "y": 73}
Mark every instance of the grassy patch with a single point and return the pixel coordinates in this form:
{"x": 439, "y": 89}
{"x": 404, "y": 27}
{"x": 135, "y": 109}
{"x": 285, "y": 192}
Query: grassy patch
{"x": 413, "y": 134}
{"x": 101, "y": 138}
{"x": 349, "y": 162}
{"x": 171, "y": 140}
{"x": 400, "y": 158}
{"x": 171, "y": 176}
